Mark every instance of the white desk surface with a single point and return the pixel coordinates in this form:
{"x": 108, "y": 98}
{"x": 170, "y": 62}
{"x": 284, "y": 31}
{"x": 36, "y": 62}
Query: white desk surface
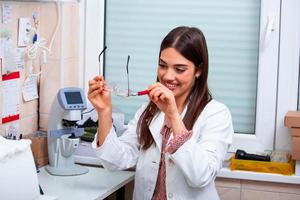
{"x": 98, "y": 183}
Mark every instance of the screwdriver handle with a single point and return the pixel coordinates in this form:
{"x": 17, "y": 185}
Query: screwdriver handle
{"x": 144, "y": 92}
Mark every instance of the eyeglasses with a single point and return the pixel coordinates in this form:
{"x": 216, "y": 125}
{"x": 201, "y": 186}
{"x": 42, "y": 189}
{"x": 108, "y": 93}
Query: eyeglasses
{"x": 112, "y": 87}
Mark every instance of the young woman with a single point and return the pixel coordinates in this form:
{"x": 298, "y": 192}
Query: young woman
{"x": 177, "y": 141}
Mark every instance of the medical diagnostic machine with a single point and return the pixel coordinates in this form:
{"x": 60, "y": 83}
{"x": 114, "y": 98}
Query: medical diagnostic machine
{"x": 63, "y": 132}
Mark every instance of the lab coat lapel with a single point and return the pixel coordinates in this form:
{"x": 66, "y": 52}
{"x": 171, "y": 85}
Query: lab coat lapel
{"x": 155, "y": 128}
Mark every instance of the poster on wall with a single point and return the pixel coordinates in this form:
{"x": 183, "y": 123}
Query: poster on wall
{"x": 10, "y": 97}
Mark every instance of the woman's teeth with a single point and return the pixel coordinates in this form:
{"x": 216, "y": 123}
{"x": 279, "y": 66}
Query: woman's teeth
{"x": 170, "y": 86}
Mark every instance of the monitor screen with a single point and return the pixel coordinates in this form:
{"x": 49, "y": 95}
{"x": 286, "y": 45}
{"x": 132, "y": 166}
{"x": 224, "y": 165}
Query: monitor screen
{"x": 73, "y": 98}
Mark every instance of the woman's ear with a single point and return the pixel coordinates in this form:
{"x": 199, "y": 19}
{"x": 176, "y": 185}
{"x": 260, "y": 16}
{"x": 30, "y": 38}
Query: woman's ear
{"x": 198, "y": 72}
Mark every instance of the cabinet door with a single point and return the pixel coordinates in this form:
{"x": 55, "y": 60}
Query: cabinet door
{"x": 228, "y": 193}
{"x": 262, "y": 195}
{"x": 228, "y": 189}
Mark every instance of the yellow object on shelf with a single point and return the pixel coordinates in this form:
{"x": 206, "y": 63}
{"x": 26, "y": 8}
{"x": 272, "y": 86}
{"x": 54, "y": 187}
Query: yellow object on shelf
{"x": 262, "y": 166}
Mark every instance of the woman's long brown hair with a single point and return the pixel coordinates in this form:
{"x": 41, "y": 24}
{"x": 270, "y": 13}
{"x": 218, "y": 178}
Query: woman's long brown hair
{"x": 191, "y": 44}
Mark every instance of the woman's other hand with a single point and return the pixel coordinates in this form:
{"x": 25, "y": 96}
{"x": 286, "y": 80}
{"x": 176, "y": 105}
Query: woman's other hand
{"x": 98, "y": 94}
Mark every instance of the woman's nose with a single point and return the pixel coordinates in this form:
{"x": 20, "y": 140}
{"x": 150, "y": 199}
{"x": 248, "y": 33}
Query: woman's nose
{"x": 169, "y": 75}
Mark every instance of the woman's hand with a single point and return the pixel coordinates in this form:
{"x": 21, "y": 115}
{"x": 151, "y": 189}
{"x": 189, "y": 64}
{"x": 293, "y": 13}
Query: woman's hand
{"x": 163, "y": 98}
{"x": 165, "y": 101}
{"x": 98, "y": 94}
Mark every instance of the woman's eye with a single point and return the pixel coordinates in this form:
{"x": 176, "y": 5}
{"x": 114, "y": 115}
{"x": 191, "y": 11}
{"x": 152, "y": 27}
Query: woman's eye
{"x": 162, "y": 65}
{"x": 179, "y": 70}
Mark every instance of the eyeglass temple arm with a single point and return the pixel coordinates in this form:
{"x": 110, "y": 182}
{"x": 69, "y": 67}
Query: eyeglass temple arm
{"x": 127, "y": 70}
{"x": 99, "y": 58}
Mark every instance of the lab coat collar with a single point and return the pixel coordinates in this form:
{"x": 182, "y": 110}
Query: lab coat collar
{"x": 156, "y": 126}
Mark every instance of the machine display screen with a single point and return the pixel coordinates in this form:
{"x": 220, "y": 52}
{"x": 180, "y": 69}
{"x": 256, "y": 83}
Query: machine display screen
{"x": 73, "y": 98}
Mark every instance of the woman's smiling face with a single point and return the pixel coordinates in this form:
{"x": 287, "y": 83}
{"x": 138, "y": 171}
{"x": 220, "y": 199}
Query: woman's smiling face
{"x": 176, "y": 73}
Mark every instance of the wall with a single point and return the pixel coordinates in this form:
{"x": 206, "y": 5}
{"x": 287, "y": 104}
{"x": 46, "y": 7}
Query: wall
{"x": 62, "y": 66}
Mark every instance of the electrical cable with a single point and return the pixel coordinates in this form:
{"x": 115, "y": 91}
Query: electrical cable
{"x": 39, "y": 42}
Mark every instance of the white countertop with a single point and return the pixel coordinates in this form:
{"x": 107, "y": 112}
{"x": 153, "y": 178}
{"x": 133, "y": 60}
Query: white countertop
{"x": 256, "y": 176}
{"x": 87, "y": 156}
{"x": 98, "y": 183}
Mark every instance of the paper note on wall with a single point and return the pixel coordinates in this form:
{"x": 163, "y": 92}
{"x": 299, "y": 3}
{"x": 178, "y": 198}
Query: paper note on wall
{"x": 10, "y": 97}
{"x": 20, "y": 58}
{"x": 6, "y": 13}
{"x": 9, "y": 57}
{"x": 1, "y": 47}
{"x": 29, "y": 89}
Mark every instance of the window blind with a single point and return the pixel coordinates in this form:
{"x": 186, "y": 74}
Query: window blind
{"x": 231, "y": 27}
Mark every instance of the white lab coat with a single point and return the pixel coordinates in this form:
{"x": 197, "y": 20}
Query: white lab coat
{"x": 190, "y": 171}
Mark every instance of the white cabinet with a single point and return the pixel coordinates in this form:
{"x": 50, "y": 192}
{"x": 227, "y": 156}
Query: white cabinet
{"x": 236, "y": 189}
